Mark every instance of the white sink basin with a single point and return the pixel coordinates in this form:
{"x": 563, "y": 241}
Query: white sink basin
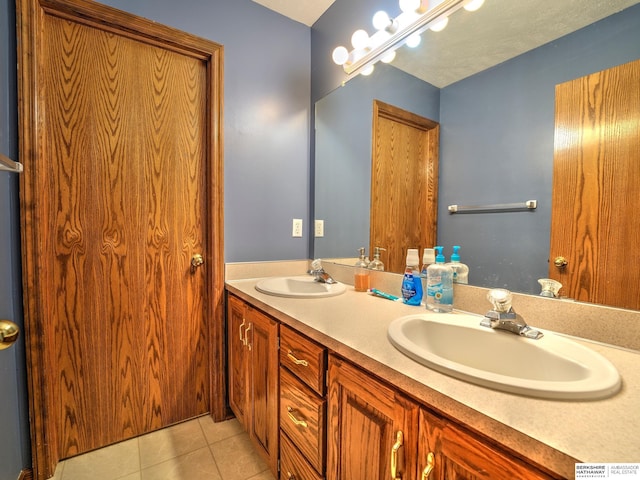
{"x": 552, "y": 367}
{"x": 302, "y": 286}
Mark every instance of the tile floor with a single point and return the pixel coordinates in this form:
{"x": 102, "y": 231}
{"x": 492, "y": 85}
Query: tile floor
{"x": 197, "y": 449}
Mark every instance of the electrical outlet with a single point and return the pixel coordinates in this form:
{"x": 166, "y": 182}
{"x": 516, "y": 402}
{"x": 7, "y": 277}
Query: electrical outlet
{"x": 319, "y": 228}
{"x": 297, "y": 227}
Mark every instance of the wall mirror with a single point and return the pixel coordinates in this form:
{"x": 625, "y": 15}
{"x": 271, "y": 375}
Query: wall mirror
{"x": 496, "y": 130}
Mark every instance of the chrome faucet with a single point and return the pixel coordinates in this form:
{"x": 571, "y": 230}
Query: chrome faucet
{"x": 319, "y": 274}
{"x": 504, "y": 317}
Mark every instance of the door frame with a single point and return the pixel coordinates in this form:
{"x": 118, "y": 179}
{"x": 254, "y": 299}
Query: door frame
{"x": 30, "y": 16}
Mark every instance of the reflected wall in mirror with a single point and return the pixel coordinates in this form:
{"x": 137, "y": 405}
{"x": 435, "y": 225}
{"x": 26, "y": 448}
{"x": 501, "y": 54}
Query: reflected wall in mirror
{"x": 496, "y": 146}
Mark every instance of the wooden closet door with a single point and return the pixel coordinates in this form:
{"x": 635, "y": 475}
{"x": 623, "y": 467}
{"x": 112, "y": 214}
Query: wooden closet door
{"x": 117, "y": 203}
{"x": 404, "y": 178}
{"x": 596, "y": 185}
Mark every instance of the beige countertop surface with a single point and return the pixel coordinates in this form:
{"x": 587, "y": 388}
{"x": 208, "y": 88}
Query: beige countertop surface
{"x": 552, "y": 433}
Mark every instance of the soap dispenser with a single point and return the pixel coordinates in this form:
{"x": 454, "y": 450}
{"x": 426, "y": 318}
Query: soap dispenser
{"x": 428, "y": 258}
{"x": 376, "y": 263}
{"x": 361, "y": 277}
{"x": 460, "y": 270}
{"x": 439, "y": 285}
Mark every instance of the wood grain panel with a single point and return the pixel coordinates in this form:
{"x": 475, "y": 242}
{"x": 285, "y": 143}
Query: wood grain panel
{"x": 263, "y": 341}
{"x": 364, "y": 416}
{"x": 293, "y": 465}
{"x": 298, "y": 400}
{"x": 404, "y": 183}
{"x": 128, "y": 214}
{"x": 461, "y": 456}
{"x": 596, "y": 181}
{"x": 122, "y": 138}
{"x": 312, "y": 371}
{"x": 238, "y": 358}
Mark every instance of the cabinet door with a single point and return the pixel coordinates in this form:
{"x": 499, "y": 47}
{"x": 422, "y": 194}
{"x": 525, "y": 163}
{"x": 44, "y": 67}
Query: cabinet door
{"x": 459, "y": 455}
{"x": 238, "y": 354}
{"x": 365, "y": 419}
{"x": 263, "y": 345}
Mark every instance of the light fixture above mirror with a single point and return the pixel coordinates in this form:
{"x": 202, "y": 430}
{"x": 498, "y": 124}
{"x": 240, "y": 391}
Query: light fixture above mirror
{"x": 416, "y": 16}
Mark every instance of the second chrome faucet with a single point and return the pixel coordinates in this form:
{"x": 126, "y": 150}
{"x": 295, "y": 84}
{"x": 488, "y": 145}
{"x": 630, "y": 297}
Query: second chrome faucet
{"x": 504, "y": 317}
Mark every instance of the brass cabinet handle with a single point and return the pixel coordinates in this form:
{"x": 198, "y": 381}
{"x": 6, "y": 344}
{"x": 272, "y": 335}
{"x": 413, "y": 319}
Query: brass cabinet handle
{"x": 293, "y": 358}
{"x": 431, "y": 463}
{"x": 292, "y": 417}
{"x": 242, "y": 337}
{"x": 395, "y": 454}
{"x": 246, "y": 336}
{"x": 9, "y": 332}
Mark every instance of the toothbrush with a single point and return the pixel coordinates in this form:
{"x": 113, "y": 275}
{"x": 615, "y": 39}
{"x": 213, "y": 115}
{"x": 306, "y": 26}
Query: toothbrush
{"x": 378, "y": 293}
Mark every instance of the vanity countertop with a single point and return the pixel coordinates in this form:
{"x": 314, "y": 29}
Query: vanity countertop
{"x": 552, "y": 433}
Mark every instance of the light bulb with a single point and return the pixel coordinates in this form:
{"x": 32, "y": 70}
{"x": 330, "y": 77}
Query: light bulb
{"x": 359, "y": 39}
{"x": 410, "y": 6}
{"x": 440, "y": 24}
{"x": 340, "y": 55}
{"x": 367, "y": 71}
{"x": 413, "y": 41}
{"x": 381, "y": 20}
{"x": 473, "y": 5}
{"x": 388, "y": 57}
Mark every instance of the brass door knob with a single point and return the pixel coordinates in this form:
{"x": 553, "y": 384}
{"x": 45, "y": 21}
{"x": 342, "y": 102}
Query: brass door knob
{"x": 560, "y": 262}
{"x": 196, "y": 261}
{"x": 9, "y": 333}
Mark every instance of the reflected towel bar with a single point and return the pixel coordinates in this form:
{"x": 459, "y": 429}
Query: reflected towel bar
{"x": 9, "y": 165}
{"x": 498, "y": 207}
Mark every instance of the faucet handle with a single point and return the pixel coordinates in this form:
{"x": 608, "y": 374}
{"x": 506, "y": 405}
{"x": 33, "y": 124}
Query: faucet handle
{"x": 316, "y": 264}
{"x": 500, "y": 298}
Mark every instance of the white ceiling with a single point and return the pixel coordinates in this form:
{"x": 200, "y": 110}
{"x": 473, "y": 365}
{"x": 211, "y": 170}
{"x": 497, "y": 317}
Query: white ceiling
{"x": 475, "y": 41}
{"x": 303, "y": 11}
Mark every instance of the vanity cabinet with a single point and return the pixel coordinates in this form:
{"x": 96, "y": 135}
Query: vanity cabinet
{"x": 372, "y": 429}
{"x": 323, "y": 417}
{"x": 302, "y": 407}
{"x": 252, "y": 342}
{"x": 376, "y": 433}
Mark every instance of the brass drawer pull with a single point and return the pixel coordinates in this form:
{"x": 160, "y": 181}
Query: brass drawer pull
{"x": 395, "y": 454}
{"x": 431, "y": 462}
{"x": 292, "y": 417}
{"x": 242, "y": 338}
{"x": 293, "y": 358}
{"x": 246, "y": 336}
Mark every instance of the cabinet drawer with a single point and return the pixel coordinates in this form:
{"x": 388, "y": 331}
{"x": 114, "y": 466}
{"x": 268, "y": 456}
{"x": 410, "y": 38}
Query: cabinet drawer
{"x": 306, "y": 359}
{"x": 302, "y": 418}
{"x": 293, "y": 466}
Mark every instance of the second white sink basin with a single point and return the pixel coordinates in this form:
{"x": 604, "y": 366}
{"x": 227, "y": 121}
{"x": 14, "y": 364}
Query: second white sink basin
{"x": 552, "y": 367}
{"x": 303, "y": 286}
